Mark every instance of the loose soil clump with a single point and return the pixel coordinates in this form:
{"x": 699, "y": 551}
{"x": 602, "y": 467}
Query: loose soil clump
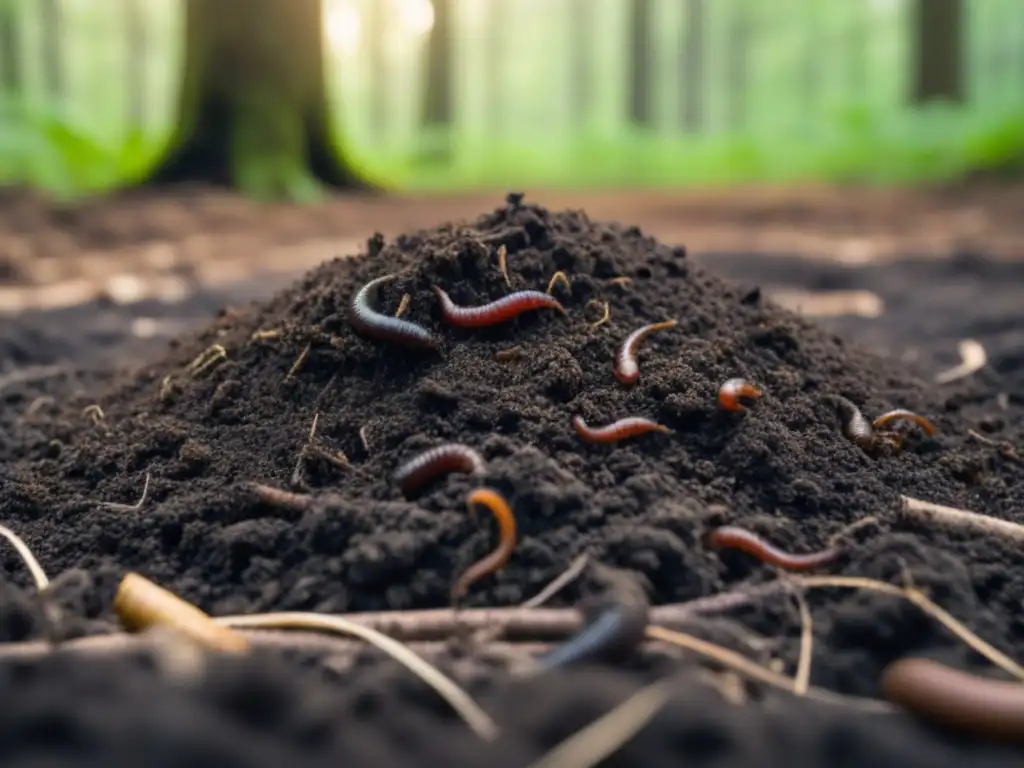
{"x": 283, "y": 393}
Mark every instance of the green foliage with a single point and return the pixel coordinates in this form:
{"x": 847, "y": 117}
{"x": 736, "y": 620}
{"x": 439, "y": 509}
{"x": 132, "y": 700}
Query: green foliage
{"x": 816, "y": 106}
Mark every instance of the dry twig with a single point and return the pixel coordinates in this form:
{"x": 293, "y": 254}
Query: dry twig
{"x": 36, "y": 570}
{"x": 128, "y": 507}
{"x": 267, "y": 335}
{"x": 297, "y": 365}
{"x": 403, "y": 305}
{"x": 972, "y": 359}
{"x": 503, "y": 264}
{"x": 31, "y": 375}
{"x": 478, "y": 720}
{"x": 596, "y": 742}
{"x": 1007, "y": 450}
{"x": 802, "y": 679}
{"x": 926, "y": 513}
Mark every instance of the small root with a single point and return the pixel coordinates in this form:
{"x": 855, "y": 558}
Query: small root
{"x": 403, "y": 305}
{"x": 564, "y": 579}
{"x": 972, "y": 359}
{"x": 503, "y": 264}
{"x": 364, "y": 439}
{"x": 118, "y": 507}
{"x": 606, "y": 312}
{"x": 268, "y": 335}
{"x": 297, "y": 365}
{"x": 206, "y": 360}
{"x": 802, "y": 679}
{"x": 1007, "y": 450}
{"x": 471, "y": 712}
{"x": 38, "y": 574}
{"x": 593, "y": 744}
{"x": 950, "y": 518}
{"x": 865, "y": 522}
{"x": 559, "y": 277}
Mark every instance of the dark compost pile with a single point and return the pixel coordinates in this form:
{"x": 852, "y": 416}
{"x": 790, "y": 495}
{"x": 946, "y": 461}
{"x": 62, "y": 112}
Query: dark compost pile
{"x": 782, "y": 469}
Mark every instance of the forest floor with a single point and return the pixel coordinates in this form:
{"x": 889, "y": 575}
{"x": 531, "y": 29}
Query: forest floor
{"x": 116, "y": 456}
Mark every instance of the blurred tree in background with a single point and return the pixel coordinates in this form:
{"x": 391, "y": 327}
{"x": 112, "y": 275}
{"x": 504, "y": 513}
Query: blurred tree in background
{"x": 253, "y": 111}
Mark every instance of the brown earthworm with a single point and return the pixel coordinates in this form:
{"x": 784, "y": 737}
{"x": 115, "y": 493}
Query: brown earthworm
{"x": 856, "y": 428}
{"x": 952, "y": 699}
{"x": 731, "y": 537}
{"x": 626, "y": 369}
{"x": 493, "y": 562}
{"x": 496, "y": 312}
{"x": 902, "y": 414}
{"x": 733, "y": 391}
{"x": 367, "y": 321}
{"x": 431, "y": 464}
{"x": 618, "y": 430}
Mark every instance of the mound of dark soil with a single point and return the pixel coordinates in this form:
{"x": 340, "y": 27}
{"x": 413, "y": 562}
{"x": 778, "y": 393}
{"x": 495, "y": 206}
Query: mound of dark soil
{"x": 783, "y": 469}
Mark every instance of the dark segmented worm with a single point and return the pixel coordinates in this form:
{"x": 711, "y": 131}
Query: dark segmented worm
{"x": 496, "y": 312}
{"x": 435, "y": 462}
{"x": 618, "y": 430}
{"x": 732, "y": 537}
{"x": 626, "y": 369}
{"x": 496, "y": 560}
{"x": 368, "y": 322}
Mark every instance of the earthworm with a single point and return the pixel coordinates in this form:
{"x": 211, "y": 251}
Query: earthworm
{"x": 496, "y": 503}
{"x": 856, "y": 428}
{"x": 612, "y": 628}
{"x": 617, "y": 430}
{"x": 731, "y": 392}
{"x": 902, "y": 414}
{"x": 951, "y": 699}
{"x": 626, "y": 369}
{"x": 367, "y": 321}
{"x": 496, "y": 312}
{"x": 731, "y": 537}
{"x": 431, "y": 464}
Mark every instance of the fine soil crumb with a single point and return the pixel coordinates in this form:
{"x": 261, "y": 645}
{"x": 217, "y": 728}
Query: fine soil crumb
{"x": 236, "y": 404}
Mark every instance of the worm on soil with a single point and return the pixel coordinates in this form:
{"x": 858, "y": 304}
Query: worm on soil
{"x": 497, "y": 559}
{"x": 733, "y": 392}
{"x": 435, "y": 463}
{"x": 955, "y": 700}
{"x": 617, "y": 430}
{"x": 902, "y": 414}
{"x": 732, "y": 537}
{"x": 626, "y": 369}
{"x": 496, "y": 312}
{"x": 369, "y": 322}
{"x": 140, "y": 604}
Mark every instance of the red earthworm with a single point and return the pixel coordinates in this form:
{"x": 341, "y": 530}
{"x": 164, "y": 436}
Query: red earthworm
{"x": 617, "y": 430}
{"x": 367, "y": 321}
{"x": 496, "y": 312}
{"x": 496, "y": 503}
{"x": 732, "y": 391}
{"x": 626, "y": 369}
{"x": 901, "y": 414}
{"x": 856, "y": 428}
{"x": 731, "y": 537}
{"x": 431, "y": 464}
{"x": 964, "y": 703}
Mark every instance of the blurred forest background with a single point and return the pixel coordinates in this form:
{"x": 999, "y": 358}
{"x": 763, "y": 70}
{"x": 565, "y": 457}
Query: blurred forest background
{"x": 469, "y": 94}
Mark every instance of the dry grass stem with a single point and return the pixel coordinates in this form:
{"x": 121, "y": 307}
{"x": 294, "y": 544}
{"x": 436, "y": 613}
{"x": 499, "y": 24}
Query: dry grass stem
{"x": 128, "y": 507}
{"x": 1006, "y": 450}
{"x": 94, "y": 412}
{"x": 31, "y": 375}
{"x": 299, "y": 362}
{"x": 559, "y": 277}
{"x": 802, "y": 679}
{"x": 972, "y": 359}
{"x": 403, "y": 305}
{"x": 276, "y": 497}
{"x": 206, "y": 360}
{"x": 744, "y": 666}
{"x": 564, "y": 579}
{"x": 606, "y": 313}
{"x": 475, "y": 717}
{"x": 36, "y": 570}
{"x": 503, "y": 264}
{"x": 919, "y": 599}
{"x": 951, "y": 518}
{"x": 596, "y": 742}
{"x": 852, "y": 528}
{"x": 267, "y": 335}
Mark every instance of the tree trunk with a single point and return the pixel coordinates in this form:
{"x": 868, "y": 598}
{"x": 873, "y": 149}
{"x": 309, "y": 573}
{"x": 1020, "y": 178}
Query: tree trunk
{"x": 135, "y": 63}
{"x": 10, "y": 50}
{"x": 377, "y": 63}
{"x": 937, "y": 51}
{"x": 253, "y": 110}
{"x": 439, "y": 97}
{"x": 53, "y": 46}
{"x": 692, "y": 65}
{"x": 581, "y": 33}
{"x": 640, "y": 106}
{"x": 740, "y": 24}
